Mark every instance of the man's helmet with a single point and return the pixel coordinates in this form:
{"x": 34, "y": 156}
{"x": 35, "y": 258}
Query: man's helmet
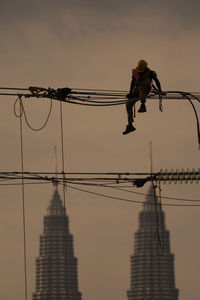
{"x": 141, "y": 66}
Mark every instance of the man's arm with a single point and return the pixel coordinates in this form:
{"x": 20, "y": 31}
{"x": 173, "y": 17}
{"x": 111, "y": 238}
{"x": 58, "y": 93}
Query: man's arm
{"x": 157, "y": 82}
{"x": 132, "y": 85}
{"x": 129, "y": 95}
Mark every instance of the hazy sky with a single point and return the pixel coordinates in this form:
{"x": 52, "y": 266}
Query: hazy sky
{"x": 95, "y": 44}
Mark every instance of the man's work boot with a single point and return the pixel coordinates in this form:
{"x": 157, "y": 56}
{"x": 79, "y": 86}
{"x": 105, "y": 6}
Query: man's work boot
{"x": 142, "y": 108}
{"x": 129, "y": 128}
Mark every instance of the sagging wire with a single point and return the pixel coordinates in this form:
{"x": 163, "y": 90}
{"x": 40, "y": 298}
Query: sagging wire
{"x": 188, "y": 96}
{"x": 66, "y": 95}
{"x": 127, "y": 200}
{"x": 196, "y": 115}
{"x": 144, "y": 194}
{"x": 23, "y": 112}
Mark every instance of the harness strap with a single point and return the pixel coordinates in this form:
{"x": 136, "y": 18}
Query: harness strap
{"x": 136, "y": 75}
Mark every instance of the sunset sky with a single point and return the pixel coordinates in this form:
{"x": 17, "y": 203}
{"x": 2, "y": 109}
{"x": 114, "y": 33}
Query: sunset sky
{"x": 95, "y": 44}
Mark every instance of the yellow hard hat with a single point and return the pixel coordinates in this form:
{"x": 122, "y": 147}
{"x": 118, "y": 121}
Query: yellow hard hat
{"x": 141, "y": 66}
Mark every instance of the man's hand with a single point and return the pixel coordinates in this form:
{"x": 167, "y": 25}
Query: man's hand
{"x": 129, "y": 96}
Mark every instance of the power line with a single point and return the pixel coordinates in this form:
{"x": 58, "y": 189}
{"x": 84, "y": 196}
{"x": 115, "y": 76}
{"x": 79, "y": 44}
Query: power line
{"x": 112, "y": 180}
{"x": 25, "y": 183}
{"x": 163, "y": 197}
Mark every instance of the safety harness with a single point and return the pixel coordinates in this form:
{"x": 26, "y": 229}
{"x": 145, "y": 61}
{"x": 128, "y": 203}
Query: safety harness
{"x": 136, "y": 75}
{"x": 148, "y": 81}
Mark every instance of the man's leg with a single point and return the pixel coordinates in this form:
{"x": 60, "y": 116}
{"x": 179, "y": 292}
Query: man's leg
{"x": 131, "y": 102}
{"x": 143, "y": 92}
{"x": 129, "y": 110}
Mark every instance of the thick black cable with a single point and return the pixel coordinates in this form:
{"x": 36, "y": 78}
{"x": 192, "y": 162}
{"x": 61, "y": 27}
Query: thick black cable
{"x": 23, "y": 202}
{"x": 97, "y": 100}
{"x": 194, "y": 96}
{"x": 91, "y": 104}
{"x": 187, "y": 96}
{"x": 196, "y": 115}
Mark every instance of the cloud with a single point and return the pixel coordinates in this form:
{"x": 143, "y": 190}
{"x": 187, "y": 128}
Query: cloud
{"x": 12, "y": 12}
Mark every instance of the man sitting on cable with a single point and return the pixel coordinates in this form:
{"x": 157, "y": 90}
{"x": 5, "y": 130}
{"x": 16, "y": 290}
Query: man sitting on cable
{"x": 140, "y": 87}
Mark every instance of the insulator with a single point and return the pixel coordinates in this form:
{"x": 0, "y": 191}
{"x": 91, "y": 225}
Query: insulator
{"x": 198, "y": 175}
{"x": 166, "y": 175}
{"x": 177, "y": 175}
{"x": 182, "y": 177}
{"x": 171, "y": 176}
{"x": 193, "y": 176}
{"x": 188, "y": 175}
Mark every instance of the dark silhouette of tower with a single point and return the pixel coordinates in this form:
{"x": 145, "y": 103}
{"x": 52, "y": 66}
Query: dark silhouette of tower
{"x": 56, "y": 266}
{"x": 152, "y": 271}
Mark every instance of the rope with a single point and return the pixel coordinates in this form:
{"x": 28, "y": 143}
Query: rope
{"x": 23, "y": 112}
{"x": 23, "y": 200}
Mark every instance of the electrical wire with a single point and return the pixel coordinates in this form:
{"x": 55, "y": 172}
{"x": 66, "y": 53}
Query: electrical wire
{"x": 111, "y": 185}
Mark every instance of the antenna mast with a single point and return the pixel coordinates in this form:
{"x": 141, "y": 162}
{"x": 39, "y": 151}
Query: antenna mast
{"x": 55, "y": 167}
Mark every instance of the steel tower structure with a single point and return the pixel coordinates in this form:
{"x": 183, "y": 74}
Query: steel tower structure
{"x": 152, "y": 273}
{"x": 56, "y": 266}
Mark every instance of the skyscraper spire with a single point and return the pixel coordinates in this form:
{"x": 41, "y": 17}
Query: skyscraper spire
{"x": 152, "y": 274}
{"x": 56, "y": 266}
{"x": 55, "y": 183}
